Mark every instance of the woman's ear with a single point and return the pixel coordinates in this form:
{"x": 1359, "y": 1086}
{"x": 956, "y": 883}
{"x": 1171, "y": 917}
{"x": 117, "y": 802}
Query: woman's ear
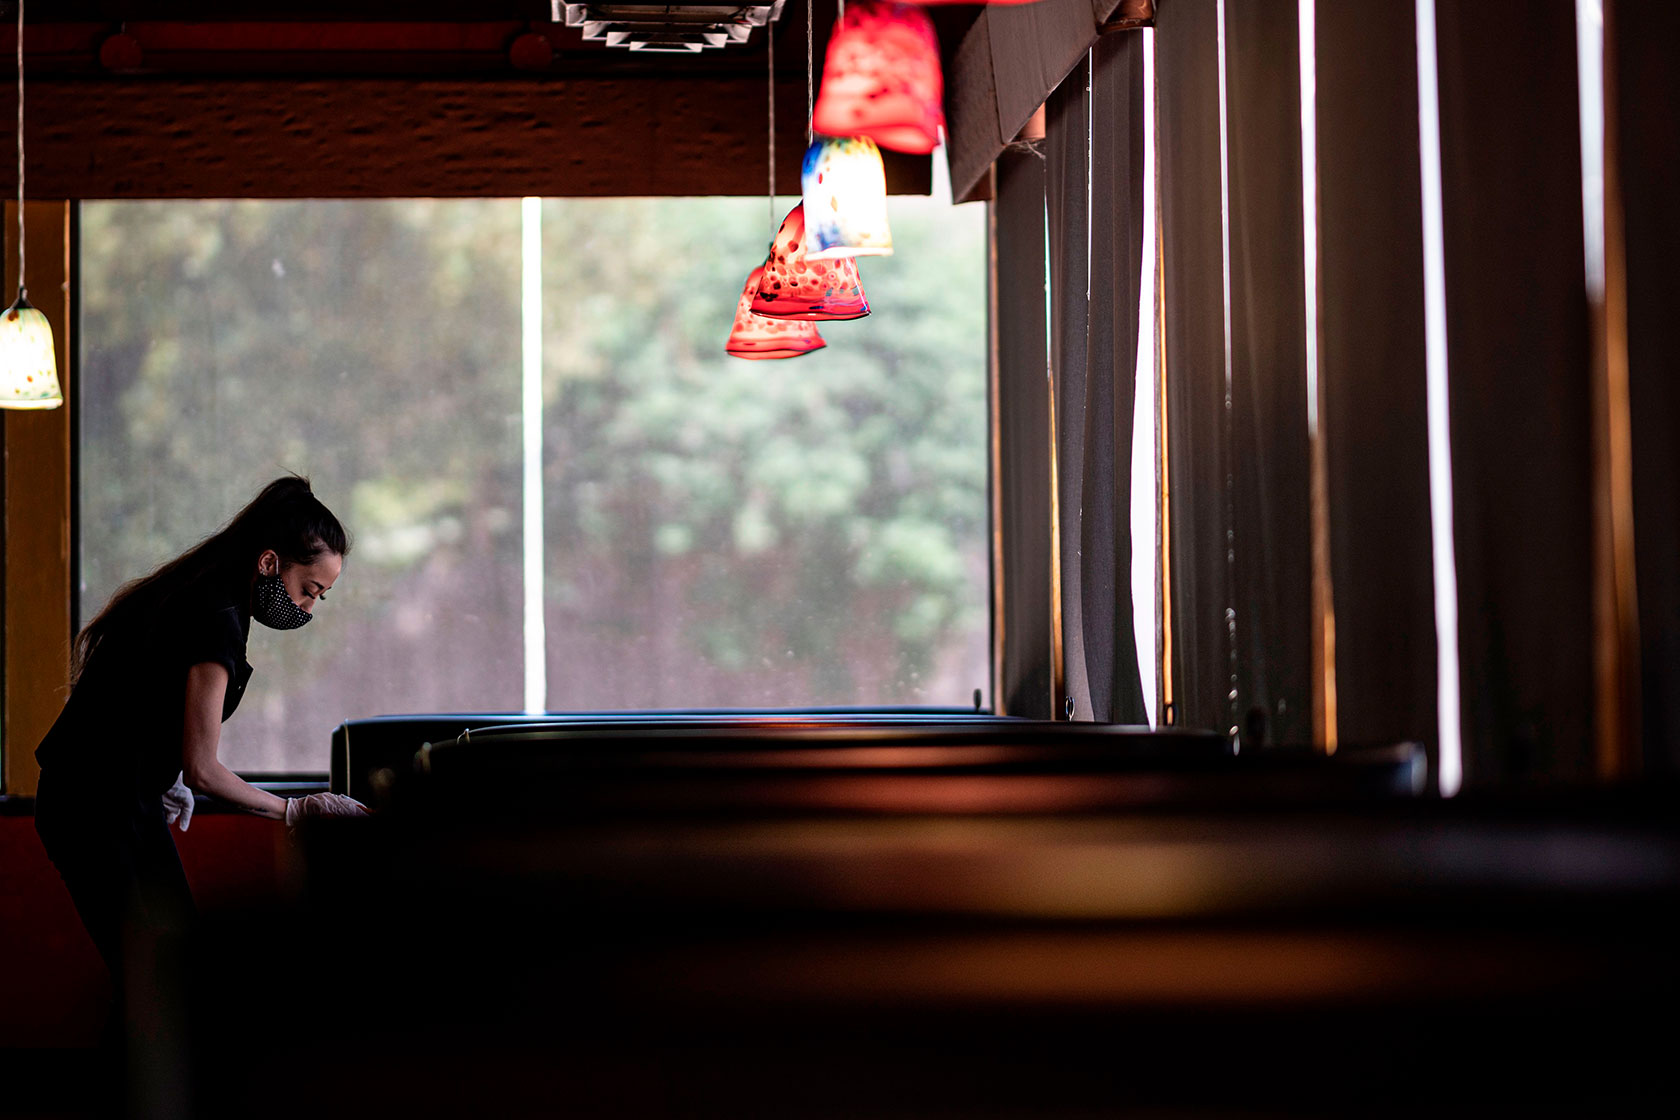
{"x": 268, "y": 564}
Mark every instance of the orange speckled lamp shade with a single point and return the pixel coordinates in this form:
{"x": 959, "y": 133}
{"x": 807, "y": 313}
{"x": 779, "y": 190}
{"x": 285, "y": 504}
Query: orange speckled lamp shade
{"x": 757, "y": 337}
{"x": 793, "y": 287}
{"x": 882, "y": 79}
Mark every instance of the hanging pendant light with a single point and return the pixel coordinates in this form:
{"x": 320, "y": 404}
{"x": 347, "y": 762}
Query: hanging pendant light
{"x": 28, "y": 366}
{"x": 758, "y": 336}
{"x": 882, "y": 78}
{"x": 845, "y": 199}
{"x": 795, "y": 287}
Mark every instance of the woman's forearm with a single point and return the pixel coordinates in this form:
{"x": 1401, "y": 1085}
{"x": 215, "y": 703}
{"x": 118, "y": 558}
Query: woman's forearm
{"x": 219, "y": 782}
{"x": 202, "y": 732}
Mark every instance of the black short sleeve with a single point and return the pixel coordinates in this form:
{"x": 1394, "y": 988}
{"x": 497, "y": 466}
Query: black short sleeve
{"x": 123, "y": 721}
{"x": 215, "y": 636}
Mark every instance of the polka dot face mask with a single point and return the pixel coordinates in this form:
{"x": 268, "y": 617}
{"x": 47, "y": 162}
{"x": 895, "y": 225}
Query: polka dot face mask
{"x": 273, "y": 607}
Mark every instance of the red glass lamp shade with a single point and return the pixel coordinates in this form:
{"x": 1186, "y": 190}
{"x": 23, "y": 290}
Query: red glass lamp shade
{"x": 882, "y": 78}
{"x": 794, "y": 287}
{"x": 758, "y": 337}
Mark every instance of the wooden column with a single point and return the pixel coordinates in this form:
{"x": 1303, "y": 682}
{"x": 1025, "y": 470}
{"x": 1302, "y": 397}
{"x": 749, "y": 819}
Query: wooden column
{"x": 36, "y": 513}
{"x": 1641, "y": 180}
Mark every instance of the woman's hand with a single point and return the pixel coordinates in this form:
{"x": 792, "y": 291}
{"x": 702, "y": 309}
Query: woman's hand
{"x": 206, "y": 687}
{"x": 178, "y": 804}
{"x": 322, "y": 805}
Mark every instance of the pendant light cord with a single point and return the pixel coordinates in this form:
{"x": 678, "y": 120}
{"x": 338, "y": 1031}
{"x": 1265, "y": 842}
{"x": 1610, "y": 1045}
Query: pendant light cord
{"x": 810, "y": 38}
{"x": 770, "y": 44}
{"x": 20, "y": 143}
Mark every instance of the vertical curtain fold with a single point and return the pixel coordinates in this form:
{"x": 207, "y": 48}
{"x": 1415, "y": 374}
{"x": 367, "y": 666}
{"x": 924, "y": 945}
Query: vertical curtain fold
{"x": 1519, "y": 345}
{"x": 1646, "y": 106}
{"x": 1117, "y": 184}
{"x": 1023, "y": 432}
{"x": 1094, "y": 158}
{"x": 1372, "y": 365}
{"x": 1067, "y": 171}
{"x": 1193, "y": 350}
{"x": 1270, "y": 465}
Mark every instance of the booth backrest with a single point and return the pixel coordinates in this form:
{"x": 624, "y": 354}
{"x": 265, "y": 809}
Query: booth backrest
{"x": 367, "y": 753}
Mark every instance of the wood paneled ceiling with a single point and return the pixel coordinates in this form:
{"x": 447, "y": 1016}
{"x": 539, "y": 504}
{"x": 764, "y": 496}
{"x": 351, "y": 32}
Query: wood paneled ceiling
{"x": 176, "y": 98}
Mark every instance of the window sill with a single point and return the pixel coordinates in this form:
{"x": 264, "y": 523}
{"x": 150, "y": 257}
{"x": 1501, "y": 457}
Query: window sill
{"x": 281, "y": 785}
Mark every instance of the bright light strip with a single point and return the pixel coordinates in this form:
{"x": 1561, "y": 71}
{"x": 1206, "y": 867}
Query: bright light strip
{"x": 1589, "y": 46}
{"x": 1146, "y": 618}
{"x": 1309, "y": 198}
{"x": 1451, "y": 765}
{"x": 530, "y": 304}
{"x": 1324, "y": 605}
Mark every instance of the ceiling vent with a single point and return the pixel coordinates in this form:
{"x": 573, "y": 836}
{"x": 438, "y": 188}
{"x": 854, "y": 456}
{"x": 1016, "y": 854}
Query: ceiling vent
{"x": 676, "y": 28}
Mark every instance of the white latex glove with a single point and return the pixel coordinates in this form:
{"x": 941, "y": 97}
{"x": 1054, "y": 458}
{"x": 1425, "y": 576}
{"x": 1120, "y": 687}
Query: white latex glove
{"x": 322, "y": 805}
{"x": 178, "y": 804}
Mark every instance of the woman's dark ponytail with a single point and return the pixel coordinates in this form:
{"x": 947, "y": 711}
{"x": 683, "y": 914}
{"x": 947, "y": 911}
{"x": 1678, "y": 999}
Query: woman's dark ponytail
{"x": 284, "y": 516}
{"x": 287, "y": 517}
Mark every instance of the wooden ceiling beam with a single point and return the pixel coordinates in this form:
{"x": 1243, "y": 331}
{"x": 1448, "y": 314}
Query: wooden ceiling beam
{"x": 173, "y": 102}
{"x": 307, "y": 49}
{"x": 398, "y": 137}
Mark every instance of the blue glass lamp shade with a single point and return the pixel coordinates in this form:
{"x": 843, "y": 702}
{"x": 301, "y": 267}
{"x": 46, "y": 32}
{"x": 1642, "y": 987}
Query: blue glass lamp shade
{"x": 845, "y": 199}
{"x": 28, "y": 366}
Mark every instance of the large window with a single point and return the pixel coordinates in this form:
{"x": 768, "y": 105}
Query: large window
{"x": 714, "y": 532}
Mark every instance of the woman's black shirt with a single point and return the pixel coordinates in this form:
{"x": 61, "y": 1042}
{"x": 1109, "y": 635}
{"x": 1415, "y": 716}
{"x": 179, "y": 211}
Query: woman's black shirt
{"x": 124, "y": 722}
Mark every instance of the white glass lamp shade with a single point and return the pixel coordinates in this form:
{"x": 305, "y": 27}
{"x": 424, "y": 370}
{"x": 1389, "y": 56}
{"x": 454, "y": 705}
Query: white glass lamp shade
{"x": 28, "y": 367}
{"x": 845, "y": 199}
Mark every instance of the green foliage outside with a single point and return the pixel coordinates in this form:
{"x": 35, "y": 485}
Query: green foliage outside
{"x": 717, "y": 532}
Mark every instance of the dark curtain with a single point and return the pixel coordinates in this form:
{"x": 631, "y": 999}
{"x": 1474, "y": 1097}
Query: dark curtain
{"x": 1201, "y": 659}
{"x": 1117, "y": 178}
{"x": 1372, "y": 367}
{"x": 1008, "y": 63}
{"x": 1519, "y": 347}
{"x": 1094, "y": 150}
{"x": 1067, "y": 166}
{"x": 1023, "y": 427}
{"x": 1035, "y": 49}
{"x": 1270, "y": 461}
{"x": 1641, "y": 37}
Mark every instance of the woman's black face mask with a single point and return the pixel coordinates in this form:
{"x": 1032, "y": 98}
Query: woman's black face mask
{"x": 273, "y": 607}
